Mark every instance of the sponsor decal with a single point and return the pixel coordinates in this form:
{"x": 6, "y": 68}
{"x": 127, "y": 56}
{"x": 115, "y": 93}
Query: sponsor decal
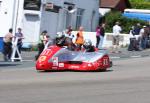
{"x": 54, "y": 68}
{"x": 61, "y": 64}
{"x": 55, "y": 61}
{"x": 74, "y": 67}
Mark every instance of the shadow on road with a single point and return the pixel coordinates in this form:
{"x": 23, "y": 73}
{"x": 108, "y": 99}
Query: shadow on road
{"x": 47, "y": 71}
{"x": 6, "y": 65}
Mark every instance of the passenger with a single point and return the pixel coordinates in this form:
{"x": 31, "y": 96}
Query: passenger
{"x": 88, "y": 47}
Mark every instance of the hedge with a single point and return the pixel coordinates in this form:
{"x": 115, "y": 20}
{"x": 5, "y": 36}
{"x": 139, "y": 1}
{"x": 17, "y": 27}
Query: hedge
{"x": 126, "y": 23}
{"x": 140, "y": 4}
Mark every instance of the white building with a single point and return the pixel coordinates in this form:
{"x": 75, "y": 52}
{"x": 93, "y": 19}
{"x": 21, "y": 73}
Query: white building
{"x": 34, "y": 16}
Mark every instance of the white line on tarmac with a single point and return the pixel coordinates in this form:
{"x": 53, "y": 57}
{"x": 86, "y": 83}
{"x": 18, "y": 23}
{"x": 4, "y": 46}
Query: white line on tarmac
{"x": 115, "y": 57}
{"x": 136, "y": 56}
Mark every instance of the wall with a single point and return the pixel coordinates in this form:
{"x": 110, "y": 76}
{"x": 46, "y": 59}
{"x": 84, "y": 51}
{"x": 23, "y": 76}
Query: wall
{"x": 89, "y": 6}
{"x": 124, "y": 38}
{"x": 6, "y": 16}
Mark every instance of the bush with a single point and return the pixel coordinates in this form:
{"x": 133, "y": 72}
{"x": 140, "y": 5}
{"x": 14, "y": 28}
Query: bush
{"x": 126, "y": 23}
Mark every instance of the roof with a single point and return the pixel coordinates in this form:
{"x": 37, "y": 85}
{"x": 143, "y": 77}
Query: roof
{"x": 110, "y": 4}
{"x": 113, "y": 3}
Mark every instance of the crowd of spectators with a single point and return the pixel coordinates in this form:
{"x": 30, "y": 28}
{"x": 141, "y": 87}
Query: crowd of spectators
{"x": 139, "y": 37}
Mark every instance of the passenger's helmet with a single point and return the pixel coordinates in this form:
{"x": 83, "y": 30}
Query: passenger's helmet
{"x": 87, "y": 43}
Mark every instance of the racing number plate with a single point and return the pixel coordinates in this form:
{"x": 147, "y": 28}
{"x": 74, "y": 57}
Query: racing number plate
{"x": 105, "y": 61}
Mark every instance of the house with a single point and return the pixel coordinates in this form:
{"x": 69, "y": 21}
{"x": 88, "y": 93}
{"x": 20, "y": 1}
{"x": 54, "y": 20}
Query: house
{"x": 34, "y": 16}
{"x": 108, "y": 5}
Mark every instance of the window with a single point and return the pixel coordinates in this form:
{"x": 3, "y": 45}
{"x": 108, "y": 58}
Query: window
{"x": 32, "y": 4}
{"x": 79, "y": 17}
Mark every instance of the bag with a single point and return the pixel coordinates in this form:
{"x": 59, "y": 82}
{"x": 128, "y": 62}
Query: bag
{"x": 133, "y": 45}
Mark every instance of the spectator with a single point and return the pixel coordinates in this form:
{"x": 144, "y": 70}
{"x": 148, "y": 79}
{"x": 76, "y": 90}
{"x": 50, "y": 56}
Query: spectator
{"x": 8, "y": 45}
{"x": 20, "y": 36}
{"x": 116, "y": 31}
{"x": 46, "y": 37}
{"x": 69, "y": 34}
{"x": 102, "y": 34}
{"x": 144, "y": 37}
{"x": 80, "y": 39}
{"x": 133, "y": 41}
{"x": 97, "y": 36}
{"x": 137, "y": 29}
{"x": 42, "y": 41}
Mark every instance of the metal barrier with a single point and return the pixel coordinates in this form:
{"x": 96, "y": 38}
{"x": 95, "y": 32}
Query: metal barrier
{"x": 15, "y": 50}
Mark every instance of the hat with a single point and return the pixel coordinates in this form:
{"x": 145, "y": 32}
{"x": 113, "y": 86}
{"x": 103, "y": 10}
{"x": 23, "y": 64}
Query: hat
{"x": 144, "y": 26}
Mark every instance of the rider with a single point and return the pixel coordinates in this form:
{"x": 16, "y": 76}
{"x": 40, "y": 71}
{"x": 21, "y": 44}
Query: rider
{"x": 88, "y": 47}
{"x": 61, "y": 40}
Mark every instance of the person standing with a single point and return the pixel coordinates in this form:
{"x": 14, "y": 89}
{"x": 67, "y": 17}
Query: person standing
{"x": 97, "y": 36}
{"x": 80, "y": 39}
{"x": 69, "y": 33}
{"x": 8, "y": 45}
{"x": 42, "y": 42}
{"x": 20, "y": 36}
{"x": 116, "y": 32}
{"x": 102, "y": 34}
{"x": 144, "y": 37}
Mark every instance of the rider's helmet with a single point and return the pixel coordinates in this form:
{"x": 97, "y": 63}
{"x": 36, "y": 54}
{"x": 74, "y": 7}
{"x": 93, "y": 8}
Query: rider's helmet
{"x": 87, "y": 44}
{"x": 60, "y": 39}
{"x": 59, "y": 35}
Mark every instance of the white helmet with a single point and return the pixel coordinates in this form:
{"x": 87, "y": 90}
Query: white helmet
{"x": 59, "y": 35}
{"x": 87, "y": 43}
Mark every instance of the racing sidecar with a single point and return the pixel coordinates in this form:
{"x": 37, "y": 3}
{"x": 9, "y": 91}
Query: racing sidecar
{"x": 57, "y": 58}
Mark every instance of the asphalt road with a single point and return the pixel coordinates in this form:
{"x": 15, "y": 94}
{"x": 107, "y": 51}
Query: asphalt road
{"x": 127, "y": 81}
